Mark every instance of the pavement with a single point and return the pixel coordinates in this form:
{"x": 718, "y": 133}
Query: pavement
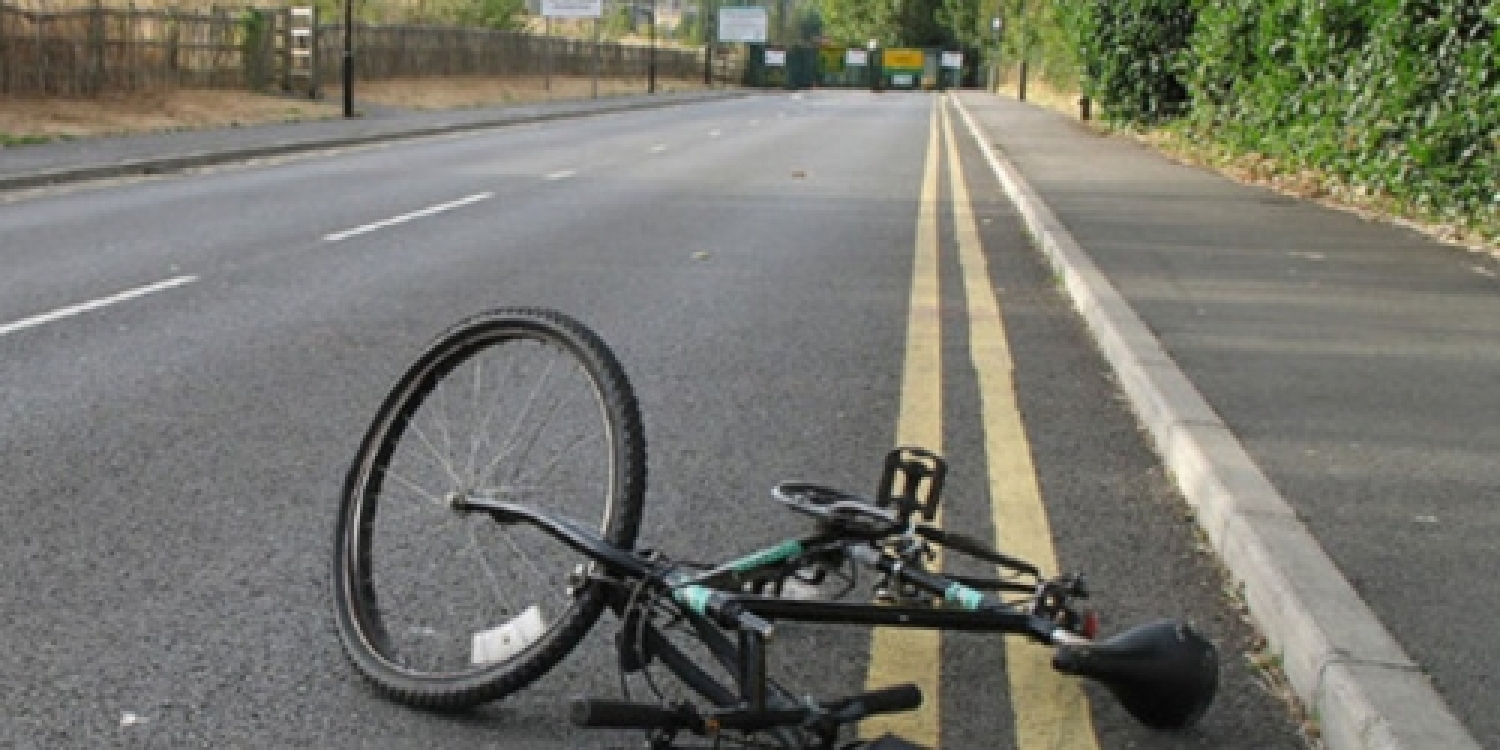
{"x": 84, "y": 159}
{"x": 1324, "y": 390}
{"x": 1323, "y": 387}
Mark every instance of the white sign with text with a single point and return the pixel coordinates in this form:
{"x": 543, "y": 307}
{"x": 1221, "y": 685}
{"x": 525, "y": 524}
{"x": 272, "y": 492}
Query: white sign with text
{"x": 742, "y": 24}
{"x": 572, "y": 8}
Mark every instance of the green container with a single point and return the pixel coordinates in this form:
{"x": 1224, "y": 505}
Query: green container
{"x": 901, "y": 68}
{"x": 775, "y": 66}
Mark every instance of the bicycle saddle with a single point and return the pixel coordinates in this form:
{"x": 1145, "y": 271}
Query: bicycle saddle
{"x": 1164, "y": 673}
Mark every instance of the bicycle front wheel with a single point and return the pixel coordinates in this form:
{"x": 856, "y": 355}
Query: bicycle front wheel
{"x": 446, "y": 609}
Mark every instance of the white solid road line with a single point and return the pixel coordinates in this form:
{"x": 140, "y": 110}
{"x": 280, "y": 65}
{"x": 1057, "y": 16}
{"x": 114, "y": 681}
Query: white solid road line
{"x": 83, "y": 307}
{"x": 561, "y": 174}
{"x": 402, "y": 219}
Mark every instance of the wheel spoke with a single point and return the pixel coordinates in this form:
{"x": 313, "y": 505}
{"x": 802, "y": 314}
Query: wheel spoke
{"x": 520, "y": 422}
{"x": 416, "y": 489}
{"x": 440, "y": 457}
{"x": 516, "y": 403}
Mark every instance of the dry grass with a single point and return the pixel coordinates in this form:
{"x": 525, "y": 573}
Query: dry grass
{"x": 1044, "y": 95}
{"x": 31, "y": 118}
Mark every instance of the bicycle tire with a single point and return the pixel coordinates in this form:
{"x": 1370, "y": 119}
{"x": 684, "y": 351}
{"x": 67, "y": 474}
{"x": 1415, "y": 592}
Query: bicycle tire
{"x": 393, "y": 593}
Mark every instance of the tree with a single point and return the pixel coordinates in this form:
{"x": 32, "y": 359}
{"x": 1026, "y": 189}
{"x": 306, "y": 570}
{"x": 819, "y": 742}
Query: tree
{"x": 920, "y": 25}
{"x": 857, "y": 21}
{"x": 504, "y": 15}
{"x": 808, "y": 24}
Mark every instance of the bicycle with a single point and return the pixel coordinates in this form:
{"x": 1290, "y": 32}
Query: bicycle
{"x": 558, "y": 491}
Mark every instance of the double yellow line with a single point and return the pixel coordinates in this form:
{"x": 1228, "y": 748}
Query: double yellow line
{"x": 1050, "y": 711}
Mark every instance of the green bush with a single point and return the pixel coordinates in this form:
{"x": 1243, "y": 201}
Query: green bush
{"x": 1132, "y": 54}
{"x": 1391, "y": 97}
{"x": 1398, "y": 99}
{"x": 255, "y": 47}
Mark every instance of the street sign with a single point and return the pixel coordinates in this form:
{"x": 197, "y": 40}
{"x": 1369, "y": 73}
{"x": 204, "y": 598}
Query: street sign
{"x": 953, "y": 59}
{"x": 904, "y": 58}
{"x": 572, "y": 8}
{"x": 742, "y": 24}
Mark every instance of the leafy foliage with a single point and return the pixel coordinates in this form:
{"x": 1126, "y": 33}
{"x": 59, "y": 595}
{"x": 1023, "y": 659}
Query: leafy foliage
{"x": 1391, "y": 98}
{"x": 856, "y": 21}
{"x": 1133, "y": 52}
{"x": 502, "y": 15}
{"x": 890, "y": 23}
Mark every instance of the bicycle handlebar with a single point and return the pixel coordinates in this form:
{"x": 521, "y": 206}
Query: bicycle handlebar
{"x": 604, "y": 713}
{"x": 888, "y": 700}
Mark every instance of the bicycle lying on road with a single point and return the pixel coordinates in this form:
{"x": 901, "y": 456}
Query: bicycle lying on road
{"x": 490, "y": 518}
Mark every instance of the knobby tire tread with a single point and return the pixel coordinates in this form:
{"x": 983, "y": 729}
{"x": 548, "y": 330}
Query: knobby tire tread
{"x": 469, "y": 689}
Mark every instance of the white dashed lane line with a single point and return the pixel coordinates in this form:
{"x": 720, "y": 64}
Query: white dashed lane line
{"x": 403, "y": 218}
{"x": 84, "y": 307}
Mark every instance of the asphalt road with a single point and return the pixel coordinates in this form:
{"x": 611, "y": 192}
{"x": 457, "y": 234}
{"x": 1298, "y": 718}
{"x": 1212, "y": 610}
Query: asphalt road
{"x": 187, "y": 363}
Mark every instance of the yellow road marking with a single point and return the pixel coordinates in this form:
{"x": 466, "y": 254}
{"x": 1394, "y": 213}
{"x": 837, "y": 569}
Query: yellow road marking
{"x": 1051, "y": 711}
{"x": 903, "y": 654}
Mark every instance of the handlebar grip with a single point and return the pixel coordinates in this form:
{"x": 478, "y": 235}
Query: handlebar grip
{"x": 892, "y": 699}
{"x": 604, "y": 713}
{"x": 888, "y": 700}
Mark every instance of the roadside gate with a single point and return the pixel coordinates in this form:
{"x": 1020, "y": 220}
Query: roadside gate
{"x": 775, "y": 66}
{"x": 838, "y": 66}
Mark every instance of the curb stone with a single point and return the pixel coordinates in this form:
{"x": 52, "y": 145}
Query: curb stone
{"x": 1355, "y": 679}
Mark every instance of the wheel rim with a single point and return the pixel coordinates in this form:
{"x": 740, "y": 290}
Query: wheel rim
{"x": 509, "y": 415}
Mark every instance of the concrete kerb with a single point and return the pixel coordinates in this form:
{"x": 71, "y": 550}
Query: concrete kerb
{"x": 1355, "y": 679}
{"x": 195, "y": 160}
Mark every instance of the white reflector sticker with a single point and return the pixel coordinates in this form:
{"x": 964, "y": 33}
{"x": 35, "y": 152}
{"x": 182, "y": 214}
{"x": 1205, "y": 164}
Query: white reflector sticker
{"x": 499, "y": 644}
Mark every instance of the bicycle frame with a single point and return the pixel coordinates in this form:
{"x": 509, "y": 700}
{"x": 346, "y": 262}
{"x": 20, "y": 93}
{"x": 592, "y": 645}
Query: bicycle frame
{"x": 706, "y": 597}
{"x": 1164, "y": 673}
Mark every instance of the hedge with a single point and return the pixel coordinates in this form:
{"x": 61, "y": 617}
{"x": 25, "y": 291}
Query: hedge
{"x": 1395, "y": 98}
{"x": 1392, "y": 97}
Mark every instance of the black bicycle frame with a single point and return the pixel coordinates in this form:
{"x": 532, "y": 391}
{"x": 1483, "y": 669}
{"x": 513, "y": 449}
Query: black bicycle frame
{"x": 1163, "y": 673}
{"x": 741, "y": 612}
{"x": 623, "y": 562}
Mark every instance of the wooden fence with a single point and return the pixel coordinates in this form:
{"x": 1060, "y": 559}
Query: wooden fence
{"x": 94, "y": 50}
